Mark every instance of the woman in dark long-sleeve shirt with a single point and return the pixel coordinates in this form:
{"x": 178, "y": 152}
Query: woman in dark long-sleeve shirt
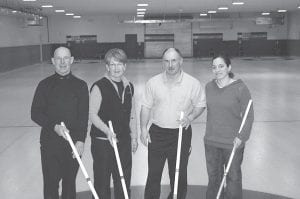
{"x": 227, "y": 99}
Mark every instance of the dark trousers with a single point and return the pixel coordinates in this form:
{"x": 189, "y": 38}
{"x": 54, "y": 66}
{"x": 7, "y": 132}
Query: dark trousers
{"x": 163, "y": 147}
{"x": 58, "y": 164}
{"x": 105, "y": 165}
{"x": 216, "y": 158}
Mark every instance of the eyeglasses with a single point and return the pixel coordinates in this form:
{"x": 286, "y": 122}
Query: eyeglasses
{"x": 116, "y": 64}
{"x": 62, "y": 59}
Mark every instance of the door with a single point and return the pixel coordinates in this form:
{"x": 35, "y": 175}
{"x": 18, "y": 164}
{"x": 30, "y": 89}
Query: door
{"x": 131, "y": 45}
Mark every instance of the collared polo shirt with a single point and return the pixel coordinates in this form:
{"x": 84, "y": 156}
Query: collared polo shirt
{"x": 166, "y": 100}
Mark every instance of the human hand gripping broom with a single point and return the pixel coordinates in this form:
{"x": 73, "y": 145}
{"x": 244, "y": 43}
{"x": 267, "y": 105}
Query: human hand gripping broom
{"x": 75, "y": 152}
{"x": 233, "y": 150}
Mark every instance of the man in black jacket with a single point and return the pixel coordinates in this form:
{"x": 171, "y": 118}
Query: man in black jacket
{"x": 61, "y": 97}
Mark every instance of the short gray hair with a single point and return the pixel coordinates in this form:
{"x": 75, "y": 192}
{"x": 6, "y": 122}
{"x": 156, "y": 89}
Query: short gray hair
{"x": 117, "y": 54}
{"x": 172, "y": 48}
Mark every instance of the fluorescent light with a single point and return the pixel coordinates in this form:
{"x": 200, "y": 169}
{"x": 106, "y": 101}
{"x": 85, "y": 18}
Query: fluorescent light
{"x": 141, "y": 9}
{"x": 281, "y": 10}
{"x": 265, "y": 13}
{"x": 142, "y": 4}
{"x": 47, "y": 6}
{"x": 59, "y": 10}
{"x": 69, "y": 14}
{"x": 223, "y": 8}
{"x": 211, "y": 11}
{"x": 140, "y": 13}
{"x": 29, "y": 0}
{"x": 238, "y": 3}
{"x": 14, "y": 11}
{"x": 41, "y": 17}
{"x": 299, "y": 6}
{"x": 76, "y": 17}
{"x": 203, "y": 14}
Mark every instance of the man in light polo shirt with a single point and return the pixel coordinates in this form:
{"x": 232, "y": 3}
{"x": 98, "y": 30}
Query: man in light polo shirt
{"x": 166, "y": 95}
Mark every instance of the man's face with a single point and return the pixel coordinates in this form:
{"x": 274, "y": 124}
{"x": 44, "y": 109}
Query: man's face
{"x": 172, "y": 62}
{"x": 115, "y": 68}
{"x": 62, "y": 61}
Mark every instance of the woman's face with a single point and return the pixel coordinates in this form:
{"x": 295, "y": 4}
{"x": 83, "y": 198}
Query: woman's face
{"x": 115, "y": 68}
{"x": 220, "y": 69}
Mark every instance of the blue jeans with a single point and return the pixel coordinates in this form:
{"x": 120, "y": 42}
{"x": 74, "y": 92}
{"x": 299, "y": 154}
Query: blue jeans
{"x": 216, "y": 158}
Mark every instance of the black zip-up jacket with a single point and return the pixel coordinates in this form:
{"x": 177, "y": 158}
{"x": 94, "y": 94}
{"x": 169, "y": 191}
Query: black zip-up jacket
{"x": 114, "y": 108}
{"x": 61, "y": 99}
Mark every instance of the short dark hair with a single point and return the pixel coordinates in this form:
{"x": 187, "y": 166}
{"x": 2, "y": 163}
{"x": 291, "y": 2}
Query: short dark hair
{"x": 117, "y": 54}
{"x": 175, "y": 49}
{"x": 226, "y": 59}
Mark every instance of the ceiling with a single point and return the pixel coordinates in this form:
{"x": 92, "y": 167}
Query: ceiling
{"x": 156, "y": 7}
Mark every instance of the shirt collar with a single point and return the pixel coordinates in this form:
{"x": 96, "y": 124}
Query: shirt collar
{"x": 68, "y": 76}
{"x": 123, "y": 79}
{"x": 178, "y": 80}
{"x": 125, "y": 83}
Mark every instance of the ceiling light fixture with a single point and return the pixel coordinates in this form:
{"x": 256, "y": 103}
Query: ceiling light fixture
{"x": 35, "y": 12}
{"x": 141, "y": 9}
{"x": 47, "y": 6}
{"x": 140, "y": 13}
{"x": 69, "y": 14}
{"x": 142, "y": 4}
{"x": 77, "y": 17}
{"x": 265, "y": 13}
{"x": 211, "y": 11}
{"x": 223, "y": 8}
{"x": 28, "y": 0}
{"x": 238, "y": 3}
{"x": 281, "y": 10}
{"x": 203, "y": 14}
{"x": 59, "y": 10}
{"x": 140, "y": 21}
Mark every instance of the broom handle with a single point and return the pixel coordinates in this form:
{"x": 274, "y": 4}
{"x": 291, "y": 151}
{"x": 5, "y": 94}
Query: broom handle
{"x": 178, "y": 159}
{"x": 88, "y": 179}
{"x": 233, "y": 150}
{"x": 118, "y": 161}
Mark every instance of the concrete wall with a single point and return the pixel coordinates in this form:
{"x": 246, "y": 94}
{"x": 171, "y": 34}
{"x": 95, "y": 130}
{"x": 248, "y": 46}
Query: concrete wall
{"x": 240, "y": 23}
{"x": 21, "y": 45}
{"x": 293, "y": 46}
{"x": 14, "y": 32}
{"x": 107, "y": 28}
{"x": 294, "y": 26}
{"x": 19, "y": 40}
{"x": 182, "y": 38}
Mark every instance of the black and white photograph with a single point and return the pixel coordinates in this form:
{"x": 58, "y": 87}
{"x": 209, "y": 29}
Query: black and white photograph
{"x": 149, "y": 99}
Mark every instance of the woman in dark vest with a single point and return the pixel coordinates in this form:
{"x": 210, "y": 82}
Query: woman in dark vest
{"x": 112, "y": 99}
